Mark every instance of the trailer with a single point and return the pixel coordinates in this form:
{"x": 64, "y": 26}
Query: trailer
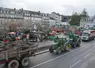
{"x": 16, "y": 54}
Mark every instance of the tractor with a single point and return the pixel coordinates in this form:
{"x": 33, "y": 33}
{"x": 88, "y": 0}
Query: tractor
{"x": 65, "y": 43}
{"x": 60, "y": 45}
{"x": 74, "y": 40}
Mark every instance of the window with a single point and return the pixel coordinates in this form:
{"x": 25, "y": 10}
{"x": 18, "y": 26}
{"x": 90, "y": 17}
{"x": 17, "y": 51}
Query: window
{"x": 32, "y": 18}
{"x": 35, "y": 18}
{"x": 11, "y": 12}
{"x": 29, "y": 14}
{"x": 6, "y": 11}
{"x": 33, "y": 15}
{"x": 1, "y": 21}
{"x": 3, "y": 11}
{"x": 28, "y": 17}
{"x": 25, "y": 14}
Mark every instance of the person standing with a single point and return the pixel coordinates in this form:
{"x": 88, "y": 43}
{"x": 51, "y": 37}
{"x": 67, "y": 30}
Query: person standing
{"x": 24, "y": 37}
{"x": 27, "y": 37}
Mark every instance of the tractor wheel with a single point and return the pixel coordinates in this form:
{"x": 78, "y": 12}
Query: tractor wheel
{"x": 13, "y": 63}
{"x": 24, "y": 61}
{"x": 58, "y": 50}
{"x": 67, "y": 47}
{"x": 78, "y": 44}
{"x": 50, "y": 49}
{"x": 73, "y": 45}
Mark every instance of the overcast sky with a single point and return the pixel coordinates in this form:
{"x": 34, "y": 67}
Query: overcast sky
{"x": 65, "y": 7}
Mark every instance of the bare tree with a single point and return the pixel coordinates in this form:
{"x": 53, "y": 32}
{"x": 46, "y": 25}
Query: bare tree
{"x": 13, "y": 26}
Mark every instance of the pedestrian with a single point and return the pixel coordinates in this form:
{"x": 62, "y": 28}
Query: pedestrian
{"x": 24, "y": 37}
{"x": 27, "y": 37}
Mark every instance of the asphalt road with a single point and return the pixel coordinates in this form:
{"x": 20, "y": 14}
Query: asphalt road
{"x": 81, "y": 57}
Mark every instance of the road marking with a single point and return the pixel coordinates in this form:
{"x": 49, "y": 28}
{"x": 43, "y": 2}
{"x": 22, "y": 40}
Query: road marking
{"x": 75, "y": 64}
{"x": 87, "y": 55}
{"x": 84, "y": 64}
{"x": 57, "y": 57}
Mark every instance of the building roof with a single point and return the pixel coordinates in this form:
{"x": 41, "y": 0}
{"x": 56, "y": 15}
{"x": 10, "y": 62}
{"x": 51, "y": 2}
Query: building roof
{"x": 65, "y": 18}
{"x": 52, "y": 18}
{"x": 56, "y": 13}
{"x": 32, "y": 12}
{"x": 21, "y": 10}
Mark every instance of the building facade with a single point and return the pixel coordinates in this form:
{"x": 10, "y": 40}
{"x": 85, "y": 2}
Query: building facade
{"x": 52, "y": 21}
{"x": 87, "y": 22}
{"x": 27, "y": 18}
{"x": 65, "y": 20}
{"x": 83, "y": 21}
{"x": 18, "y": 16}
{"x": 31, "y": 18}
{"x": 56, "y": 16}
{"x": 8, "y": 16}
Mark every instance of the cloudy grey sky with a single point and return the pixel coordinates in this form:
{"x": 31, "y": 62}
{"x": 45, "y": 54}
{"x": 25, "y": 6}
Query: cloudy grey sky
{"x": 65, "y": 7}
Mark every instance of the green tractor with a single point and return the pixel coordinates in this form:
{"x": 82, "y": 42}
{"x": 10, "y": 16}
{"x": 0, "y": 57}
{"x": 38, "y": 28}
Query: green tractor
{"x": 74, "y": 40}
{"x": 65, "y": 43}
{"x": 60, "y": 45}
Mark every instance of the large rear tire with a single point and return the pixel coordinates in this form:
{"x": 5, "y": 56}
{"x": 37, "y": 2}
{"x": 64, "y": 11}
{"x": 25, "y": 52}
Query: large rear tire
{"x": 13, "y": 64}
